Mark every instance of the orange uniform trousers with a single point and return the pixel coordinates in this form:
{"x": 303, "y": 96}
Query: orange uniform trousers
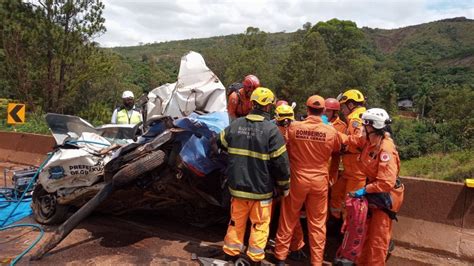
{"x": 376, "y": 244}
{"x": 259, "y": 213}
{"x": 297, "y": 241}
{"x": 314, "y": 195}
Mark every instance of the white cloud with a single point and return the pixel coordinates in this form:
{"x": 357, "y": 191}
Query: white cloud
{"x": 130, "y": 22}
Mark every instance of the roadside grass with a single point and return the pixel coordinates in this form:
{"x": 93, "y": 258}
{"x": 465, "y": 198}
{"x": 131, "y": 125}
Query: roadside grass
{"x": 455, "y": 166}
{"x": 35, "y": 123}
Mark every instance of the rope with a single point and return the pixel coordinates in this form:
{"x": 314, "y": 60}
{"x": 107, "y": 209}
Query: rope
{"x": 32, "y": 181}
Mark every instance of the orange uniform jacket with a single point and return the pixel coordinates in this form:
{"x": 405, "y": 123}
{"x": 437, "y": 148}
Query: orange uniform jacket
{"x": 239, "y": 104}
{"x": 339, "y": 125}
{"x": 352, "y": 167}
{"x": 311, "y": 147}
{"x": 381, "y": 164}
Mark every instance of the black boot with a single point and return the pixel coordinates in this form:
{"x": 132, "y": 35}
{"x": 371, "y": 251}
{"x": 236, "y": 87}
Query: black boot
{"x": 280, "y": 263}
{"x": 255, "y": 263}
{"x": 244, "y": 260}
{"x": 298, "y": 255}
{"x": 230, "y": 258}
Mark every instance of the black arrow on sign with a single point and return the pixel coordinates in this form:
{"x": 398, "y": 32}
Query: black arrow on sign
{"x": 13, "y": 113}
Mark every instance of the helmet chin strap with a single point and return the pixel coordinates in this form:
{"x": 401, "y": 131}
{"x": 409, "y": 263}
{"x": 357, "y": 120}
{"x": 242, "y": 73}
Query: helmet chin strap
{"x": 367, "y": 135}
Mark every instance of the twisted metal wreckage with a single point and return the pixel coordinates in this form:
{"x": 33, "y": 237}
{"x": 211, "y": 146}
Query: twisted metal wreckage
{"x": 171, "y": 166}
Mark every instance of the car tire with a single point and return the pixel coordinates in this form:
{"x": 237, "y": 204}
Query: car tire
{"x": 137, "y": 168}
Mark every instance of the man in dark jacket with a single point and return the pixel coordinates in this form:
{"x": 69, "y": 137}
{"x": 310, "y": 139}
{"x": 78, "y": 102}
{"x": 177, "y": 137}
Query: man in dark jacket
{"x": 258, "y": 162}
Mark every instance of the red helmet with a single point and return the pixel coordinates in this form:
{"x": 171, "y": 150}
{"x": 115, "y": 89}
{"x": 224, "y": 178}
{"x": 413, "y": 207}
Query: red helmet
{"x": 315, "y": 102}
{"x": 332, "y": 104}
{"x": 281, "y": 102}
{"x": 250, "y": 83}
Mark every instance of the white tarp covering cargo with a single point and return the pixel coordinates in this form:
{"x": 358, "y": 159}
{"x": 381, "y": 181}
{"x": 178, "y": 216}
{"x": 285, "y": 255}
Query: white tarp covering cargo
{"x": 197, "y": 89}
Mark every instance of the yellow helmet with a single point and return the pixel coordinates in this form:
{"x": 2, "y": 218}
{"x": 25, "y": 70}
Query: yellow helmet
{"x": 262, "y": 96}
{"x": 284, "y": 112}
{"x": 353, "y": 94}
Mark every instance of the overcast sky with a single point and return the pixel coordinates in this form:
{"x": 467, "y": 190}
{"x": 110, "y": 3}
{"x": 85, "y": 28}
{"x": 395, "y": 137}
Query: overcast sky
{"x": 146, "y": 21}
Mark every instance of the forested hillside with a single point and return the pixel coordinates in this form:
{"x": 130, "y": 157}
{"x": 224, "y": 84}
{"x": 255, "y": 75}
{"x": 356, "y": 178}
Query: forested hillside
{"x": 431, "y": 54}
{"x": 48, "y": 59}
{"x": 430, "y": 64}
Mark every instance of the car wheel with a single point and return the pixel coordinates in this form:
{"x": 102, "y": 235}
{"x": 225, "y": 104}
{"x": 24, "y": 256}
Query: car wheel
{"x": 46, "y": 209}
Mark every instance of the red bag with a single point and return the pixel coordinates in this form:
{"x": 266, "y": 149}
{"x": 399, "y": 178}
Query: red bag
{"x": 354, "y": 229}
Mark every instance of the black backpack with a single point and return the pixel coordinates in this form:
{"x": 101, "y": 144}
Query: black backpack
{"x": 234, "y": 87}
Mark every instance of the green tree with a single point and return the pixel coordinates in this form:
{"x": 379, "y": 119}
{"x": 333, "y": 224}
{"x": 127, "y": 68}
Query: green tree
{"x": 329, "y": 59}
{"x": 21, "y": 58}
{"x": 70, "y": 26}
{"x": 47, "y": 47}
{"x": 351, "y": 66}
{"x": 251, "y": 56}
{"x": 307, "y": 70}
{"x": 423, "y": 98}
{"x": 340, "y": 35}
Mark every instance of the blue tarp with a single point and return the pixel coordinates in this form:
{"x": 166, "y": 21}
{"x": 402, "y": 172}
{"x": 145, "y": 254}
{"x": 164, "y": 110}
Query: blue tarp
{"x": 205, "y": 125}
{"x": 196, "y": 149}
{"x": 22, "y": 211}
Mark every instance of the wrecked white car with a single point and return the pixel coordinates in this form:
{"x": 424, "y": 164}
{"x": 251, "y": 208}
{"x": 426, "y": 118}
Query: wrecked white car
{"x": 171, "y": 166}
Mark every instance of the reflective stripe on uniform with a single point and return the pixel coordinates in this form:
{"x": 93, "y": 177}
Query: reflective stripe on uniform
{"x": 253, "y": 117}
{"x": 255, "y": 250}
{"x": 249, "y": 153}
{"x": 278, "y": 152}
{"x": 249, "y": 195}
{"x": 239, "y": 247}
{"x": 265, "y": 202}
{"x": 284, "y": 182}
{"x": 223, "y": 141}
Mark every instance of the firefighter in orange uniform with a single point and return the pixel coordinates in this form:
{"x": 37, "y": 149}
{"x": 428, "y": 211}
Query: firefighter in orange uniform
{"x": 380, "y": 162}
{"x": 352, "y": 178}
{"x": 239, "y": 103}
{"x": 332, "y": 108}
{"x": 258, "y": 162}
{"x": 310, "y": 145}
{"x": 285, "y": 115}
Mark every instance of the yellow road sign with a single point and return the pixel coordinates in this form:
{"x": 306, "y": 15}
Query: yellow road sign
{"x": 16, "y": 113}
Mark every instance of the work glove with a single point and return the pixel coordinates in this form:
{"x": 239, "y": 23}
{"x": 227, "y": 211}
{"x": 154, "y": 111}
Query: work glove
{"x": 360, "y": 193}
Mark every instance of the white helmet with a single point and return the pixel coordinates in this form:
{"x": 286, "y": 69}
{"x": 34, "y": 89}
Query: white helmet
{"x": 127, "y": 94}
{"x": 376, "y": 117}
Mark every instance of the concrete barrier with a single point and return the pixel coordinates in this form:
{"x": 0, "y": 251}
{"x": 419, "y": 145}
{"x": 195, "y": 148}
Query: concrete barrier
{"x": 437, "y": 216}
{"x": 24, "y": 148}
